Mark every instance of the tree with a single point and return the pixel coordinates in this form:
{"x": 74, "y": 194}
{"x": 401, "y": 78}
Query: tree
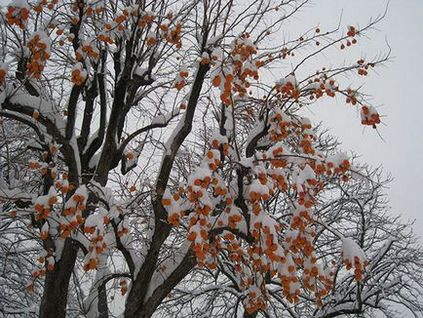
{"x": 16, "y": 244}
{"x": 166, "y": 154}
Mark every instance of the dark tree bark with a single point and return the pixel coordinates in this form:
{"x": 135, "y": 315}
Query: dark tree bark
{"x": 53, "y": 304}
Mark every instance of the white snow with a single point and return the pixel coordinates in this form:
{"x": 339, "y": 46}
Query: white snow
{"x": 350, "y": 250}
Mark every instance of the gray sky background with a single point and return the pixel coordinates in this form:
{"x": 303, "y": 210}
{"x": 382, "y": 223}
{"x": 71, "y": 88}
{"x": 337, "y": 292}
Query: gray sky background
{"x": 396, "y": 90}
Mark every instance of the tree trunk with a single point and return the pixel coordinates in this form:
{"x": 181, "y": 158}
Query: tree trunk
{"x": 53, "y": 303}
{"x": 103, "y": 309}
{"x": 137, "y": 307}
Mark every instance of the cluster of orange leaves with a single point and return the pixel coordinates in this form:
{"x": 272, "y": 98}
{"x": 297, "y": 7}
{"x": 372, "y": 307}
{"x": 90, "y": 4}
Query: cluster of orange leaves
{"x": 122, "y": 232}
{"x": 351, "y": 97}
{"x": 120, "y": 19}
{"x": 306, "y": 139}
{"x": 326, "y": 86}
{"x": 279, "y": 130}
{"x": 181, "y": 79}
{"x": 199, "y": 222}
{"x": 243, "y": 52}
{"x": 302, "y": 246}
{"x": 289, "y": 90}
{"x": 90, "y": 10}
{"x": 173, "y": 36}
{"x": 17, "y": 16}
{"x": 206, "y": 250}
{"x": 75, "y": 215}
{"x": 72, "y": 211}
{"x": 78, "y": 76}
{"x": 47, "y": 262}
{"x": 63, "y": 185}
{"x": 173, "y": 218}
{"x": 146, "y": 20}
{"x": 105, "y": 38}
{"x": 39, "y": 56}
{"x": 243, "y": 67}
{"x": 42, "y": 211}
{"x": 255, "y": 301}
{"x": 352, "y": 32}
{"x": 151, "y": 40}
{"x": 302, "y": 222}
{"x": 97, "y": 246}
{"x": 50, "y": 5}
{"x": 226, "y": 92}
{"x": 363, "y": 69}
{"x": 370, "y": 118}
{"x": 214, "y": 161}
{"x": 89, "y": 51}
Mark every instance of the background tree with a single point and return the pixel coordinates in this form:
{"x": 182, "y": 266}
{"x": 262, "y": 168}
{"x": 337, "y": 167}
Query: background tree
{"x": 166, "y": 148}
{"x": 17, "y": 243}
